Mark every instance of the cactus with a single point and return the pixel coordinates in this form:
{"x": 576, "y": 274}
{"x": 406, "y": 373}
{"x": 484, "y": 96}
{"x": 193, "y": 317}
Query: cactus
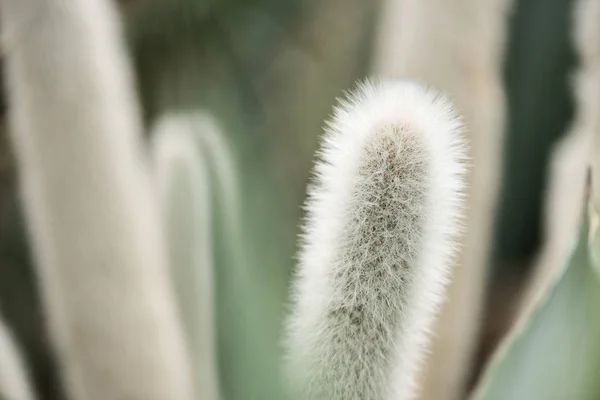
{"x": 93, "y": 219}
{"x": 14, "y": 377}
{"x": 184, "y": 187}
{"x": 382, "y": 245}
{"x": 378, "y": 241}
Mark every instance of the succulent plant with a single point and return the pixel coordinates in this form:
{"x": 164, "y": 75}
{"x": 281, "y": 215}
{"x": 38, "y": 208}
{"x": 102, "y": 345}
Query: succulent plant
{"x": 383, "y": 217}
{"x": 163, "y": 253}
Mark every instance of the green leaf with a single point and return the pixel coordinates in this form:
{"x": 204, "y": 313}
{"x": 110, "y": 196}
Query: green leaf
{"x": 555, "y": 354}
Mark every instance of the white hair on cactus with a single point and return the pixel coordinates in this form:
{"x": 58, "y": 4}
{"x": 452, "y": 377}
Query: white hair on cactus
{"x": 94, "y": 220}
{"x": 14, "y": 377}
{"x": 184, "y": 186}
{"x": 378, "y": 243}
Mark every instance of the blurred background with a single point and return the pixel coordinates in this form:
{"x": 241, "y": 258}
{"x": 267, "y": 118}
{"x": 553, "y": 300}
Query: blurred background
{"x": 268, "y": 72}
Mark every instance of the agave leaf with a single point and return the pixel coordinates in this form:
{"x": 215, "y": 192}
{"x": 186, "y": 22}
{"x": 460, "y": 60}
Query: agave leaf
{"x": 555, "y": 353}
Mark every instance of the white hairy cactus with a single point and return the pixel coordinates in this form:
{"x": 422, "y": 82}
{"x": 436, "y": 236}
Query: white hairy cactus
{"x": 14, "y": 378}
{"x": 91, "y": 212}
{"x": 456, "y": 46}
{"x": 184, "y": 186}
{"x": 378, "y": 243}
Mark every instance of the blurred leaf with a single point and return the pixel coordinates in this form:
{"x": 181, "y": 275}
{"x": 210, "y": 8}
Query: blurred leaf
{"x": 20, "y": 301}
{"x": 184, "y": 188}
{"x": 555, "y": 354}
{"x": 269, "y": 72}
{"x": 539, "y": 59}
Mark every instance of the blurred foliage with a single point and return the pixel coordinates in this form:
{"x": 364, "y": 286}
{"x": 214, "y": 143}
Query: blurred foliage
{"x": 20, "y": 298}
{"x": 539, "y": 62}
{"x": 555, "y": 354}
{"x": 269, "y": 72}
{"x": 538, "y": 65}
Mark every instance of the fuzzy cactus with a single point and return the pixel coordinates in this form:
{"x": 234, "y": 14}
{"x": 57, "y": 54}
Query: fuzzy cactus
{"x": 14, "y": 377}
{"x": 378, "y": 243}
{"x": 91, "y": 213}
{"x": 184, "y": 188}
